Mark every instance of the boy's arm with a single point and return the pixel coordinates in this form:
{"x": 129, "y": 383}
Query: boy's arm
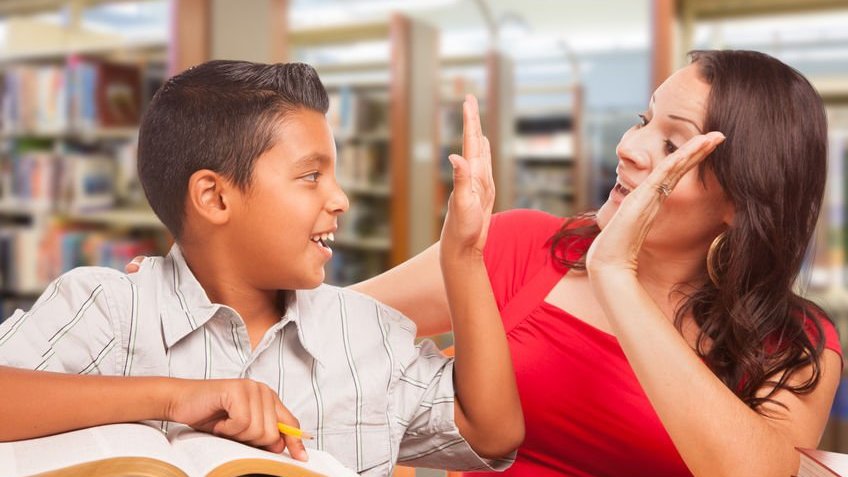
{"x": 52, "y": 358}
{"x": 488, "y": 410}
{"x": 40, "y": 403}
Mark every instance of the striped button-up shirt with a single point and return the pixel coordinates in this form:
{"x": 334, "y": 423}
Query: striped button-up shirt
{"x": 344, "y": 364}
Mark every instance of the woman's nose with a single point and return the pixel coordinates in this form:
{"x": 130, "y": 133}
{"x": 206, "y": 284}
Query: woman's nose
{"x": 632, "y": 148}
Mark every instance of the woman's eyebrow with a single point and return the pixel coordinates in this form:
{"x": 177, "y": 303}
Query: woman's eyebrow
{"x": 681, "y": 118}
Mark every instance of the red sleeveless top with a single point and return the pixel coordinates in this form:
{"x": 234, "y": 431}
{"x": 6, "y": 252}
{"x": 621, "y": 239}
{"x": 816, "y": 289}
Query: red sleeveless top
{"x": 585, "y": 412}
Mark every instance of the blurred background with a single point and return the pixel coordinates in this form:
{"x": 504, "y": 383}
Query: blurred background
{"x": 558, "y": 83}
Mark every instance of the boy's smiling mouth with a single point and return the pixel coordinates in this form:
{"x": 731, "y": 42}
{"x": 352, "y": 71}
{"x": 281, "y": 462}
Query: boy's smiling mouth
{"x": 322, "y": 240}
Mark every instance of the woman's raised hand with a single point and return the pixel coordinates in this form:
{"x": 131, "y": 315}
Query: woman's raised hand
{"x": 473, "y": 197}
{"x": 617, "y": 247}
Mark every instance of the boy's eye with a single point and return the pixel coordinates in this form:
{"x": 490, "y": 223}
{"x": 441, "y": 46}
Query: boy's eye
{"x": 643, "y": 121}
{"x": 670, "y": 147}
{"x": 313, "y": 177}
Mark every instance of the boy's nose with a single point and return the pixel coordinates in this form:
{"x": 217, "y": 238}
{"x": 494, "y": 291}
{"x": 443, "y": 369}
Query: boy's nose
{"x": 339, "y": 202}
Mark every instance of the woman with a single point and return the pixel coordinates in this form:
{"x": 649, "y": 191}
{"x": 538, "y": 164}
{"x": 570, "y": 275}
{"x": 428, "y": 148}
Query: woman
{"x": 660, "y": 336}
{"x": 683, "y": 349}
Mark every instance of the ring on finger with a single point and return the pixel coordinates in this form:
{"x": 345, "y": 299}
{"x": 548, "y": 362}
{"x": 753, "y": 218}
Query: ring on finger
{"x": 664, "y": 189}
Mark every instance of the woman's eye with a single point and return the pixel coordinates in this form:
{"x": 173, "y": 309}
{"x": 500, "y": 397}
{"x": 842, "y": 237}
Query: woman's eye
{"x": 643, "y": 121}
{"x": 670, "y": 147}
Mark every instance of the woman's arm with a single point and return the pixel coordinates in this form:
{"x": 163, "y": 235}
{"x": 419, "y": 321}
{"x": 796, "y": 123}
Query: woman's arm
{"x": 416, "y": 289}
{"x": 715, "y": 432}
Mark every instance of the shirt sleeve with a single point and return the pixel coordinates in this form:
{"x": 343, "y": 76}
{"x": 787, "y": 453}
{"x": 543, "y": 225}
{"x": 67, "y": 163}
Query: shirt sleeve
{"x": 423, "y": 399}
{"x": 70, "y": 328}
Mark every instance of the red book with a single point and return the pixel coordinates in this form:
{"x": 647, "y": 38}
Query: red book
{"x": 118, "y": 93}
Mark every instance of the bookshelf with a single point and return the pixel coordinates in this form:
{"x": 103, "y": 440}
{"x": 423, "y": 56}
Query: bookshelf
{"x": 490, "y": 78}
{"x": 550, "y": 170}
{"x": 72, "y": 99}
{"x": 383, "y": 115}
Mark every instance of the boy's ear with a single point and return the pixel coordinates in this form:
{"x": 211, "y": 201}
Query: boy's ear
{"x": 209, "y": 196}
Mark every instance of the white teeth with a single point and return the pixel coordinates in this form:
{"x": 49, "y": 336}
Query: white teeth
{"x": 323, "y": 238}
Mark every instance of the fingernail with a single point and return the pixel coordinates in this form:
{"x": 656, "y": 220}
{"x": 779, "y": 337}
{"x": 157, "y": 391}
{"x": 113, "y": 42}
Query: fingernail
{"x": 452, "y": 160}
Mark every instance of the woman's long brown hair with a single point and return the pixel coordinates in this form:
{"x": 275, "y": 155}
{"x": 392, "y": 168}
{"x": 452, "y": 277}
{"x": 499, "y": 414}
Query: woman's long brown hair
{"x": 772, "y": 167}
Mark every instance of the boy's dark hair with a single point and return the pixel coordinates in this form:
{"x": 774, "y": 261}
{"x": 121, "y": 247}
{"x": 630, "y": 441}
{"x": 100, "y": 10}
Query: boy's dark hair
{"x": 220, "y": 115}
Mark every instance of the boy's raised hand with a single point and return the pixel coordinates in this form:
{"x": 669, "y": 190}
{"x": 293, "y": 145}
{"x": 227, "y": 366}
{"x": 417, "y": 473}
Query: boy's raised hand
{"x": 240, "y": 409}
{"x": 473, "y": 197}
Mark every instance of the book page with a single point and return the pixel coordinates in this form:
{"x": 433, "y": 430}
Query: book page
{"x": 43, "y": 454}
{"x": 819, "y": 463}
{"x": 208, "y": 452}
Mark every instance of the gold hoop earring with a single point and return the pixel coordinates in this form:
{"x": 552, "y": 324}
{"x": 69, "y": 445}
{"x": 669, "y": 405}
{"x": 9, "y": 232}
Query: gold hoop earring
{"x": 718, "y": 242}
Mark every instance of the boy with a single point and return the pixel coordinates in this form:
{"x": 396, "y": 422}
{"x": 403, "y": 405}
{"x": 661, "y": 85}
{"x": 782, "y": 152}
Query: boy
{"x": 237, "y": 160}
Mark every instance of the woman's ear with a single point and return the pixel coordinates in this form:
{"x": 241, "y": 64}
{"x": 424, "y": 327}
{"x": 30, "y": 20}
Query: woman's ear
{"x": 208, "y": 197}
{"x": 729, "y": 214}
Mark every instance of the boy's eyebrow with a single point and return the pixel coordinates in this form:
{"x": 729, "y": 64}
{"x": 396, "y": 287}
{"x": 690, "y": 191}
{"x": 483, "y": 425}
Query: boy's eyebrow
{"x": 310, "y": 160}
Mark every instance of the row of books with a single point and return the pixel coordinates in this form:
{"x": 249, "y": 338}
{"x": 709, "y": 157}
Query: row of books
{"x": 353, "y": 113}
{"x": 80, "y": 95}
{"x": 828, "y": 267}
{"x": 544, "y": 177}
{"x": 363, "y": 164}
{"x": 368, "y": 219}
{"x": 19, "y": 260}
{"x": 30, "y": 257}
{"x": 73, "y": 182}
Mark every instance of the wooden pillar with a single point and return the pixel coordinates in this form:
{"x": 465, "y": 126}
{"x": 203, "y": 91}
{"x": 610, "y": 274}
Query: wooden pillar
{"x": 253, "y": 31}
{"x": 202, "y": 30}
{"x": 662, "y": 41}
{"x": 189, "y": 32}
{"x": 413, "y": 156}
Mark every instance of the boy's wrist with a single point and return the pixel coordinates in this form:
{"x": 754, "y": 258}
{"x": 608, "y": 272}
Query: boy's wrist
{"x": 168, "y": 392}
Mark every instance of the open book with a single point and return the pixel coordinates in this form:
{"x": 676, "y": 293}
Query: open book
{"x": 819, "y": 463}
{"x": 141, "y": 450}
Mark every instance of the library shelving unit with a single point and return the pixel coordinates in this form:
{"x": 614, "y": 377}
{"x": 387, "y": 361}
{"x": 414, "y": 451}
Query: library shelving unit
{"x": 490, "y": 78}
{"x": 68, "y": 189}
{"x": 550, "y": 172}
{"x": 383, "y": 116}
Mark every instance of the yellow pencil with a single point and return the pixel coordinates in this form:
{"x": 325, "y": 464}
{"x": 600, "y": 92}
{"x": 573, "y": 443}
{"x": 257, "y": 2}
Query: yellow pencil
{"x": 293, "y": 431}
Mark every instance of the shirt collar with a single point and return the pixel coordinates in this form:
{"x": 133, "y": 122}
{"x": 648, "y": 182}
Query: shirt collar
{"x": 189, "y": 305}
{"x": 300, "y": 311}
{"x": 191, "y": 308}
